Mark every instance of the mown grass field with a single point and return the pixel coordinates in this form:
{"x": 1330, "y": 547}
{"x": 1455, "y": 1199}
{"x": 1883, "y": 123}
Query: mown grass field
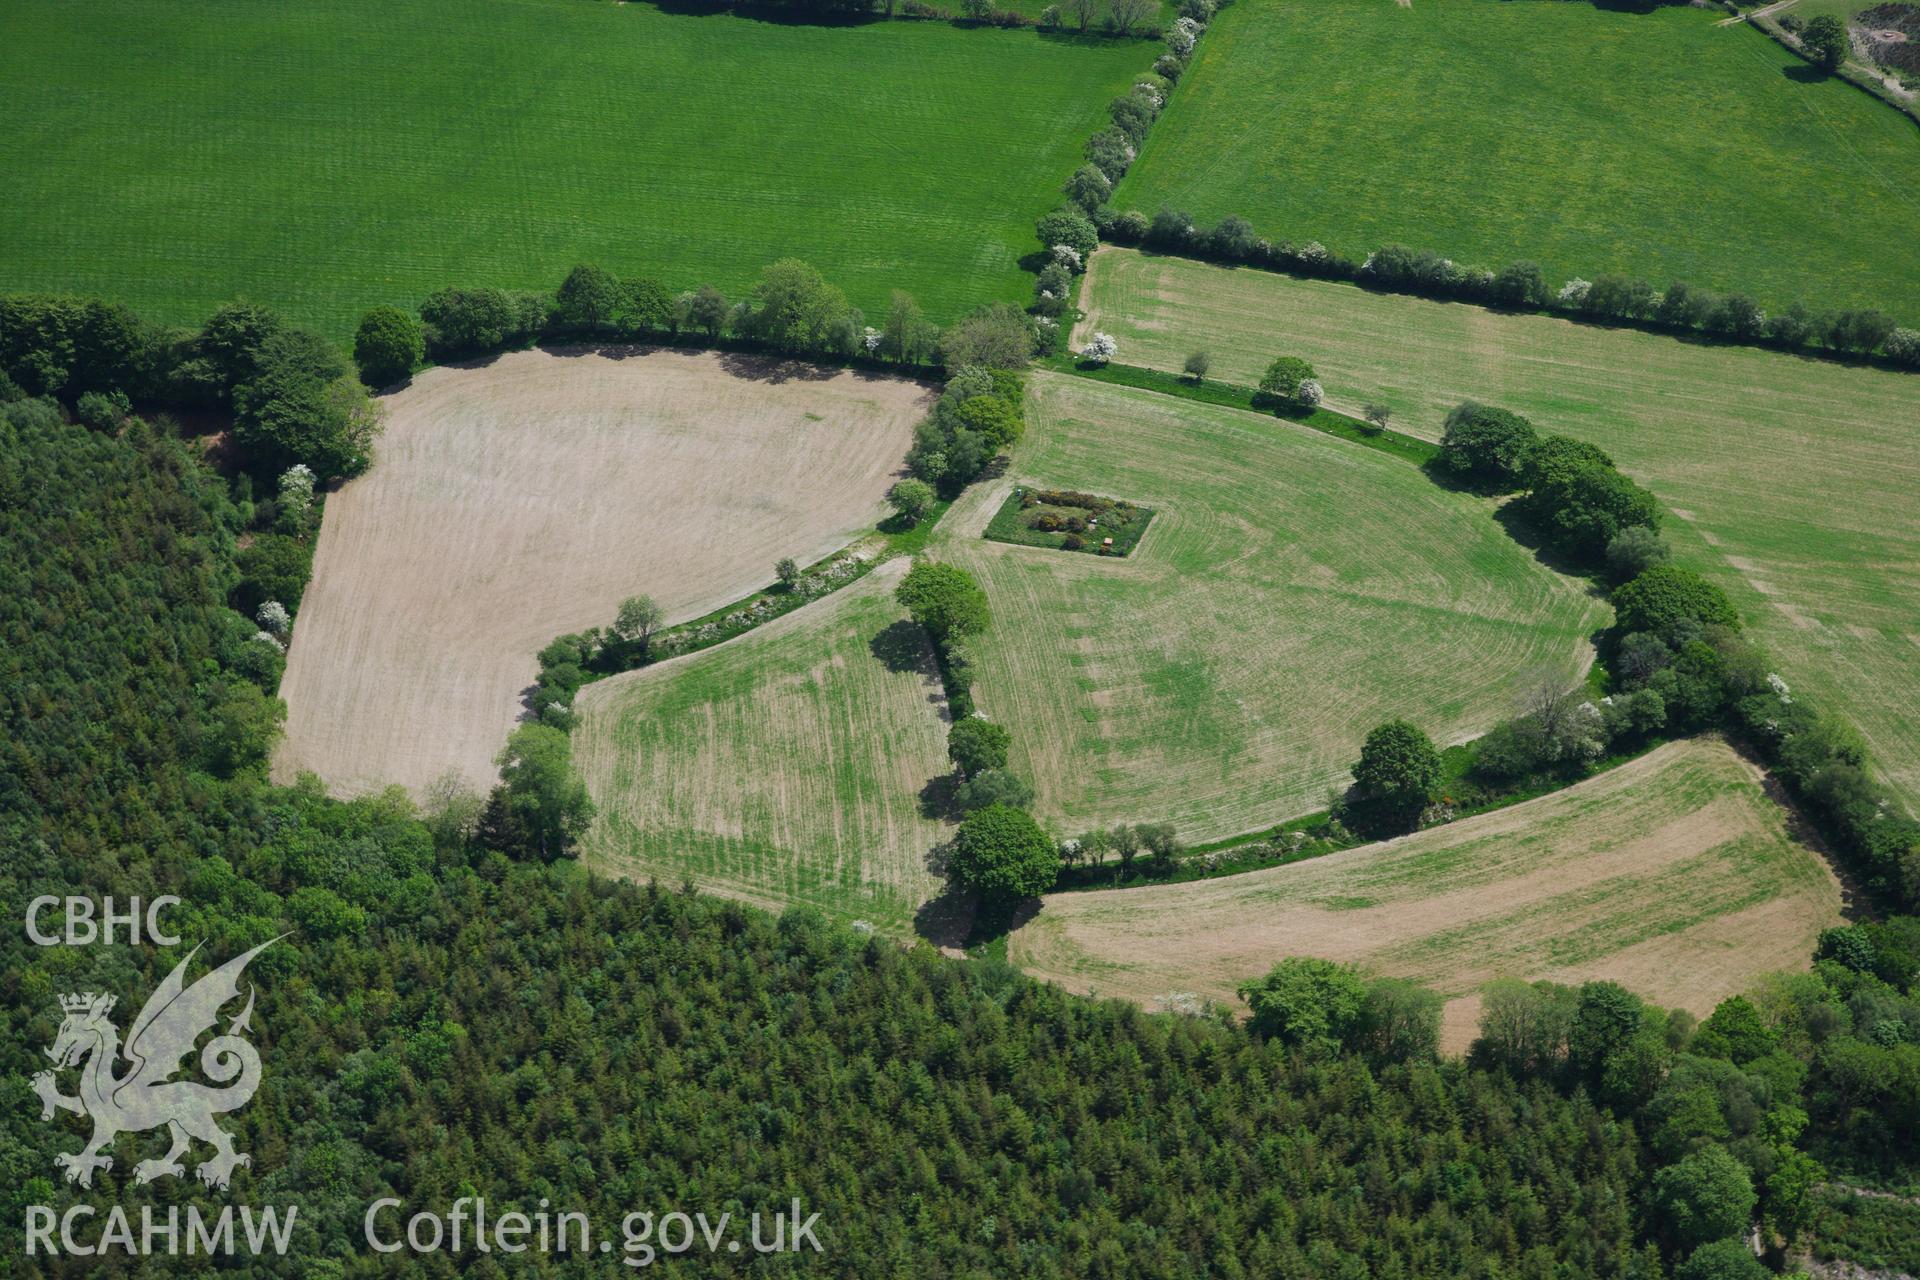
{"x": 1591, "y": 139}
{"x": 1792, "y": 479}
{"x": 1673, "y": 874}
{"x": 325, "y": 158}
{"x": 782, "y": 767}
{"x": 1291, "y": 592}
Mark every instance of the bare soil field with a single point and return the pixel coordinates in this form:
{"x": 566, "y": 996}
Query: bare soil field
{"x": 524, "y": 498}
{"x": 780, "y": 767}
{"x": 1674, "y": 875}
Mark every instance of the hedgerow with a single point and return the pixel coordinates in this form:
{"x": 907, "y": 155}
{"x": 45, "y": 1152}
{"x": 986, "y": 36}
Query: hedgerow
{"x": 1852, "y": 333}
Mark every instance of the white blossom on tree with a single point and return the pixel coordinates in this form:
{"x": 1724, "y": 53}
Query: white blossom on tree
{"x": 274, "y": 617}
{"x": 1313, "y": 251}
{"x": 1101, "y": 349}
{"x": 296, "y": 486}
{"x": 1067, "y": 256}
{"x": 1309, "y": 393}
{"x": 1574, "y": 291}
{"x": 267, "y": 637}
{"x": 1151, "y": 93}
{"x": 871, "y": 339}
{"x": 1779, "y": 687}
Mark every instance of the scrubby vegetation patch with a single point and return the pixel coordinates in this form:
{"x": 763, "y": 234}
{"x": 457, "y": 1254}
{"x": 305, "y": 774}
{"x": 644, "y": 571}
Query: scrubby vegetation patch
{"x": 1067, "y": 520}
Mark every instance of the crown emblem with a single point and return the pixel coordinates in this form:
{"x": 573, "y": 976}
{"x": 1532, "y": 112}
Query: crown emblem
{"x": 86, "y": 1002}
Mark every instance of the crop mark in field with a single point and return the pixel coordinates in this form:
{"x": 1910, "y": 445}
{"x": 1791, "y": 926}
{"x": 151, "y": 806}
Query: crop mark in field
{"x": 1292, "y": 591}
{"x": 1711, "y": 429}
{"x": 788, "y": 765}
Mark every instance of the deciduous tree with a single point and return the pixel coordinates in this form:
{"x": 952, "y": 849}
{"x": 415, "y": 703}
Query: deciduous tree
{"x": 543, "y": 791}
{"x": 944, "y": 599}
{"x": 1398, "y": 773}
{"x": 1001, "y": 853}
{"x": 387, "y": 346}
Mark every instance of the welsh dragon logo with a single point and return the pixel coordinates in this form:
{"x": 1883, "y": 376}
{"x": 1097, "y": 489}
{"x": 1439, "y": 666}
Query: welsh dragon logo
{"x": 142, "y": 1097}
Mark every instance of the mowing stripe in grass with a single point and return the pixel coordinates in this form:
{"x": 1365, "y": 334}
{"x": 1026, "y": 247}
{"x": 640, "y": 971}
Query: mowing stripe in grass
{"x": 325, "y": 158}
{"x": 1589, "y": 138}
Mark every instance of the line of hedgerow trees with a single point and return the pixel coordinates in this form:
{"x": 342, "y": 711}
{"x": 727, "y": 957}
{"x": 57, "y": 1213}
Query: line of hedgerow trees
{"x": 1522, "y": 286}
{"x": 790, "y": 309}
{"x": 1111, "y": 17}
{"x": 454, "y": 1009}
{"x": 1069, "y": 235}
{"x": 979, "y": 415}
{"x": 1677, "y": 661}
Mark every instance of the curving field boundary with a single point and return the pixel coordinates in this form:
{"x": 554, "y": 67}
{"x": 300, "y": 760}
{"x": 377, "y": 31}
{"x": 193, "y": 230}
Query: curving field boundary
{"x": 1674, "y": 874}
{"x": 526, "y": 497}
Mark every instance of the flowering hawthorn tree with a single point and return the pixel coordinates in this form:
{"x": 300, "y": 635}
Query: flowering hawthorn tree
{"x": 1101, "y": 349}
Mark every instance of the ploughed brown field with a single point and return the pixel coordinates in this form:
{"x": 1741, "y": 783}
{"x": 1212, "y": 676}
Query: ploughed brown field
{"x": 518, "y": 500}
{"x": 1674, "y": 875}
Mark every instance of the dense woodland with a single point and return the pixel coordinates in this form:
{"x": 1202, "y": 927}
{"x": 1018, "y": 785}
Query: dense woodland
{"x": 456, "y": 1013}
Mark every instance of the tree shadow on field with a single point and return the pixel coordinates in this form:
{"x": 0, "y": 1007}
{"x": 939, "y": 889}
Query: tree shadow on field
{"x": 1855, "y": 902}
{"x": 1031, "y": 263}
{"x": 937, "y": 799}
{"x": 526, "y": 715}
{"x": 901, "y": 647}
{"x": 993, "y": 922}
{"x": 773, "y": 15}
{"x": 1805, "y": 73}
{"x": 481, "y": 361}
{"x": 947, "y": 920}
{"x": 775, "y": 370}
{"x": 629, "y": 350}
{"x": 1522, "y": 532}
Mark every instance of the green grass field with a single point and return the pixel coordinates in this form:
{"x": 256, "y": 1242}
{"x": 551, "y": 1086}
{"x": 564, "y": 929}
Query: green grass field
{"x": 1589, "y": 139}
{"x": 325, "y": 158}
{"x": 781, "y": 767}
{"x": 1793, "y": 479}
{"x": 1291, "y": 592}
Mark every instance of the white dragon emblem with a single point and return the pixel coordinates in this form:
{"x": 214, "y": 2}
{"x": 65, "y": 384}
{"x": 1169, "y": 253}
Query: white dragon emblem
{"x": 143, "y": 1097}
